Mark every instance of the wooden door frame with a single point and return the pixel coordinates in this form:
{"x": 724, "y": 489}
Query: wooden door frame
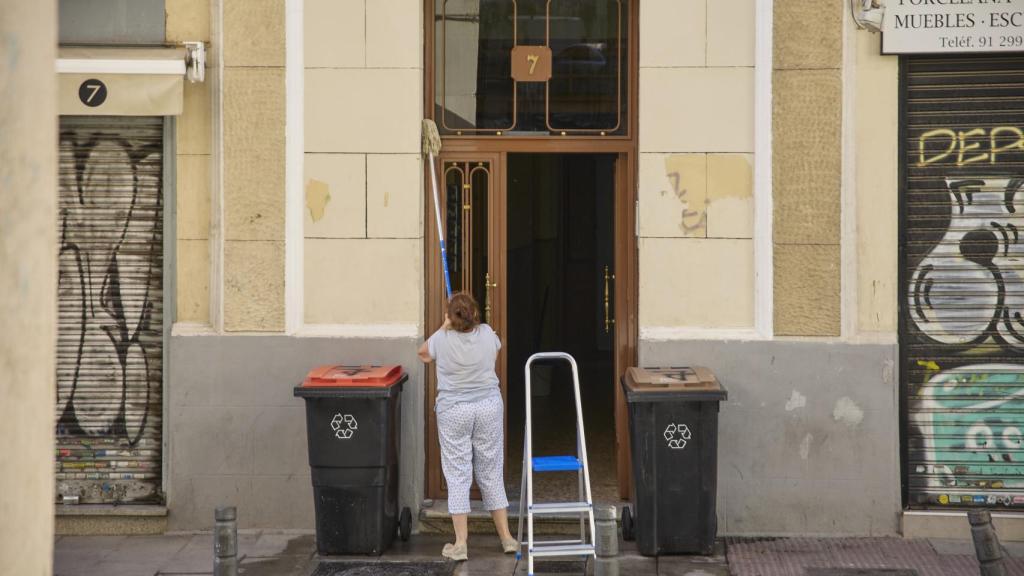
{"x": 626, "y": 240}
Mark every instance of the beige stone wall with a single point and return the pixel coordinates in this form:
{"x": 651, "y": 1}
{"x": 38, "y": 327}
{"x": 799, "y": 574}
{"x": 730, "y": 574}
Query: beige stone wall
{"x": 28, "y": 285}
{"x": 253, "y": 92}
{"x": 807, "y": 166}
{"x": 363, "y": 177}
{"x": 696, "y": 163}
{"x": 876, "y": 158}
{"x": 189, "y": 20}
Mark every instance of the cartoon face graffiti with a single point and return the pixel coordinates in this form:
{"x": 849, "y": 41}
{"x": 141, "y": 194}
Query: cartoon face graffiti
{"x": 970, "y": 286}
{"x": 969, "y": 419}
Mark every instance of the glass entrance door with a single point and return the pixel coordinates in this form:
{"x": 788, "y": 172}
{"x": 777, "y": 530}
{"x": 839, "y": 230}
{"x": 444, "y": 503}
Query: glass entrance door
{"x": 472, "y": 213}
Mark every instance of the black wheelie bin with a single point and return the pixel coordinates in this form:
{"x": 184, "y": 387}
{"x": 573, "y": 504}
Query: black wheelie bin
{"x": 673, "y": 431}
{"x": 353, "y": 418}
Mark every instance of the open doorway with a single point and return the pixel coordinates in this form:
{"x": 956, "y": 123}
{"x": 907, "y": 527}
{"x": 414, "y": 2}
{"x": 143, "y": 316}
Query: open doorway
{"x": 560, "y": 254}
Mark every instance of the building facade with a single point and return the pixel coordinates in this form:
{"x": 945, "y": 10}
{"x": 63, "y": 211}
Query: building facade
{"x": 751, "y": 187}
{"x": 28, "y": 241}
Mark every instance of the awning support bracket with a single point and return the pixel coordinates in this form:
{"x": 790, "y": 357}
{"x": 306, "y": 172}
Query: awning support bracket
{"x": 195, "y": 61}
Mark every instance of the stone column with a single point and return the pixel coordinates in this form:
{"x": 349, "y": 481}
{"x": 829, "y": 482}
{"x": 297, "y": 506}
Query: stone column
{"x": 28, "y": 280}
{"x": 807, "y": 153}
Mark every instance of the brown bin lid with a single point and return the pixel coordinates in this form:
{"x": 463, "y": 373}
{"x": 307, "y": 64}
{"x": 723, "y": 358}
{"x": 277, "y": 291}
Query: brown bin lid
{"x": 676, "y": 379}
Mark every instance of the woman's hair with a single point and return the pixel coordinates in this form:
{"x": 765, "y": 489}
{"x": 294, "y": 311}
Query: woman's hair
{"x": 463, "y": 312}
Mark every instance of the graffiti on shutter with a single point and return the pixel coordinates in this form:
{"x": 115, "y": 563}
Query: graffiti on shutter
{"x": 110, "y": 301}
{"x": 962, "y": 330}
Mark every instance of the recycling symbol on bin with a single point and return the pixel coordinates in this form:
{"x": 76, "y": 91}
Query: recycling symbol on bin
{"x": 676, "y": 435}
{"x": 344, "y": 426}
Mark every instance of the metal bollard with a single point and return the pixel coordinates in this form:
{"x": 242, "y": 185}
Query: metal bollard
{"x": 225, "y": 542}
{"x": 606, "y": 567}
{"x": 606, "y": 539}
{"x": 986, "y": 543}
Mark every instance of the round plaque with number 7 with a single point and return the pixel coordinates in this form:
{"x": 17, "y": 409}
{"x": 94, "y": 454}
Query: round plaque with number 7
{"x": 92, "y": 92}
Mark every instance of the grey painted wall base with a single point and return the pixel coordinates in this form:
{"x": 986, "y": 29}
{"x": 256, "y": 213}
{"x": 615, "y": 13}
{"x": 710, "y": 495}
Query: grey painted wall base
{"x": 809, "y": 437}
{"x": 237, "y": 435}
{"x": 808, "y": 440}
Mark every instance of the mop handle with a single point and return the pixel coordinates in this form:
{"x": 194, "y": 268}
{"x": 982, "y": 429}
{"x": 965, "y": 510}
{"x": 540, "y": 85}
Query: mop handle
{"x": 440, "y": 228}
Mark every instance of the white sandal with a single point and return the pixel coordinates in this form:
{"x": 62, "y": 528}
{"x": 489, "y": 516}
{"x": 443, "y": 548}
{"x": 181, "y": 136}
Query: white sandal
{"x": 455, "y": 552}
{"x": 510, "y": 546}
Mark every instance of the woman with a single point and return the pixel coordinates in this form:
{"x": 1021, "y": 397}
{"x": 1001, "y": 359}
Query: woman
{"x": 470, "y": 418}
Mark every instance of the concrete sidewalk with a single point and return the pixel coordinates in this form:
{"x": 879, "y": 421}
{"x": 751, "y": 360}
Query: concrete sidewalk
{"x": 266, "y": 553}
{"x": 260, "y": 553}
{"x": 293, "y": 554}
{"x": 861, "y": 557}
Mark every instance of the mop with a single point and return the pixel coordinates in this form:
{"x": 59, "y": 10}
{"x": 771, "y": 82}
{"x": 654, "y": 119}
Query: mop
{"x": 432, "y": 147}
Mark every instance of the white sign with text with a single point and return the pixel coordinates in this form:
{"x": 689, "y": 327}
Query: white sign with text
{"x": 952, "y": 26}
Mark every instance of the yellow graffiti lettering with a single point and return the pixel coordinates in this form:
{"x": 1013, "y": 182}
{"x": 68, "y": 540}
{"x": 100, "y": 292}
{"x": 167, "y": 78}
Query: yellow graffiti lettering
{"x": 1000, "y": 140}
{"x": 931, "y": 368}
{"x": 933, "y": 134}
{"x": 994, "y": 137}
{"x": 973, "y": 146}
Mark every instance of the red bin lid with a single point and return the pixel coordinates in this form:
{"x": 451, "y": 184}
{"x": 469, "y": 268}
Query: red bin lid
{"x": 340, "y": 375}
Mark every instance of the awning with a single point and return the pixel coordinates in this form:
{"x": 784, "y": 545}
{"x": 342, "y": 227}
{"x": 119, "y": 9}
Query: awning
{"x": 121, "y": 81}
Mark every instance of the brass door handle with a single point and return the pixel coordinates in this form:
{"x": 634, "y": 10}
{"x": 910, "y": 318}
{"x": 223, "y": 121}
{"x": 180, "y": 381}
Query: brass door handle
{"x": 608, "y": 320}
{"x": 487, "y": 296}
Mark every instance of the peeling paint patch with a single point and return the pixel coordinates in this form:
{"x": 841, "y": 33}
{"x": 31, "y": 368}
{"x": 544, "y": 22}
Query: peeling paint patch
{"x": 317, "y": 197}
{"x": 797, "y": 400}
{"x": 847, "y": 412}
{"x": 805, "y": 446}
{"x": 887, "y": 371}
{"x": 730, "y": 176}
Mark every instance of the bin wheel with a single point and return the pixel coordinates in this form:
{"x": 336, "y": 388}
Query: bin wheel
{"x": 405, "y": 524}
{"x": 627, "y": 524}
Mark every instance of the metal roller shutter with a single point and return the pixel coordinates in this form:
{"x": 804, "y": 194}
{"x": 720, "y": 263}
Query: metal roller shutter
{"x": 962, "y": 236}
{"x": 110, "y": 300}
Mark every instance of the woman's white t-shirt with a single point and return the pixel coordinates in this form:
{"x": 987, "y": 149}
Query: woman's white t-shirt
{"x": 465, "y": 365}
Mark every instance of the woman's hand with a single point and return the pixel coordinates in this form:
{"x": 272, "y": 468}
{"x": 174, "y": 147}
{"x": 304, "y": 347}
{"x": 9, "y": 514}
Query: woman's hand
{"x": 424, "y": 351}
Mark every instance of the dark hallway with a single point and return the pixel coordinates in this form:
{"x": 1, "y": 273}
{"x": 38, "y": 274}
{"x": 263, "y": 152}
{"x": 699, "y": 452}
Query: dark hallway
{"x": 560, "y": 241}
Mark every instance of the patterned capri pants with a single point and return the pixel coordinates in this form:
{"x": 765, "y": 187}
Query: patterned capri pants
{"x": 471, "y": 435}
